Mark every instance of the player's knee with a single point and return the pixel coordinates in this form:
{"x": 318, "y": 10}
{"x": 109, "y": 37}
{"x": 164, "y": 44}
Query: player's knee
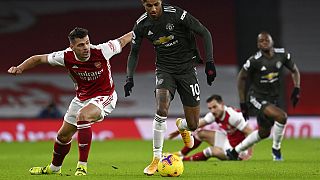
{"x": 63, "y": 138}
{"x": 264, "y": 133}
{"x": 282, "y": 118}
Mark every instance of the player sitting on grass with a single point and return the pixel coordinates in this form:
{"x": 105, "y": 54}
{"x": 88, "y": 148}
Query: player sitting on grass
{"x": 233, "y": 129}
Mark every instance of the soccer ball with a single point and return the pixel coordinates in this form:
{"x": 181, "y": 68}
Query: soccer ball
{"x": 170, "y": 165}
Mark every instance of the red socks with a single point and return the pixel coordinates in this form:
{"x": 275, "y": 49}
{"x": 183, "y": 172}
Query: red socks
{"x": 84, "y": 139}
{"x": 196, "y": 157}
{"x": 60, "y": 151}
{"x": 185, "y": 150}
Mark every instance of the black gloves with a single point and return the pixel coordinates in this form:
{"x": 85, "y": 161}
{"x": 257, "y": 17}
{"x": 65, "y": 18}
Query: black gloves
{"x": 245, "y": 110}
{"x": 210, "y": 72}
{"x": 128, "y": 86}
{"x": 295, "y": 95}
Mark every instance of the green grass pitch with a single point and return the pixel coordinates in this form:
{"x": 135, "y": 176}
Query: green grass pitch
{"x": 302, "y": 161}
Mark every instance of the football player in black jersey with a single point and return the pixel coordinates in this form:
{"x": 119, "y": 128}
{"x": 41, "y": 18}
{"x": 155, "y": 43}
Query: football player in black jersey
{"x": 264, "y": 69}
{"x": 172, "y": 31}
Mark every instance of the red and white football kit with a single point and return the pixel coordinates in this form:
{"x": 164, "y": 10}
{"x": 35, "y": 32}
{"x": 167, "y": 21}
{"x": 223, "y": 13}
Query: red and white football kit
{"x": 92, "y": 78}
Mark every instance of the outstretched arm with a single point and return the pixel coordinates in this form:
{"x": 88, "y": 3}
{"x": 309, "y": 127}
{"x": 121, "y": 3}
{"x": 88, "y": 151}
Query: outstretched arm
{"x": 125, "y": 39}
{"x": 28, "y": 64}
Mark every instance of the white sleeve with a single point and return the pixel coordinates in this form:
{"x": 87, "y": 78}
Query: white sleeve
{"x": 236, "y": 120}
{"x": 56, "y": 58}
{"x": 209, "y": 118}
{"x": 110, "y": 48}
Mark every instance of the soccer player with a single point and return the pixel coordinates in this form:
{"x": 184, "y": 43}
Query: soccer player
{"x": 264, "y": 70}
{"x": 171, "y": 31}
{"x": 233, "y": 129}
{"x": 89, "y": 67}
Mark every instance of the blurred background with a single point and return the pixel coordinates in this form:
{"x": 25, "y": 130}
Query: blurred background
{"x": 41, "y": 26}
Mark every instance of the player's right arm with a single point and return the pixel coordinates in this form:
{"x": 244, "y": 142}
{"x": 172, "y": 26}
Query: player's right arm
{"x": 241, "y": 80}
{"x": 132, "y": 59}
{"x": 28, "y": 64}
{"x": 134, "y": 51}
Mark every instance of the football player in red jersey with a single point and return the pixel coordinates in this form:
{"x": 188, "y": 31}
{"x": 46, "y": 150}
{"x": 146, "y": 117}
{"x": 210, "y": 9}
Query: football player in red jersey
{"x": 89, "y": 67}
{"x": 232, "y": 130}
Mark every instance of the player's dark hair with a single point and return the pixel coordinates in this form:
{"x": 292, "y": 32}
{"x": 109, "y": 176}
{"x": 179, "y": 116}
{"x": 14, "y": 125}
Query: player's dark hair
{"x": 216, "y": 97}
{"x": 77, "y": 33}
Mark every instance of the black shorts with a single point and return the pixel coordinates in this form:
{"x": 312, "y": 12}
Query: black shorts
{"x": 186, "y": 84}
{"x": 257, "y": 105}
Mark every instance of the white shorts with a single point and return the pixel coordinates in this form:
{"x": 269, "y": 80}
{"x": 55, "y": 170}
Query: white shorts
{"x": 105, "y": 103}
{"x": 221, "y": 140}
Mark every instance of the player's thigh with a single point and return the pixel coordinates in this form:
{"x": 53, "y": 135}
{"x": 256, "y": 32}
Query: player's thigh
{"x": 166, "y": 81}
{"x": 258, "y": 106}
{"x": 188, "y": 89}
{"x": 206, "y": 135}
{"x": 221, "y": 140}
{"x": 103, "y": 104}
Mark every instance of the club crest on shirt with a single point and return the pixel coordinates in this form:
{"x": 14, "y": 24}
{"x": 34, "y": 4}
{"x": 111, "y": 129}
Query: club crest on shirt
{"x": 279, "y": 64}
{"x": 97, "y": 64}
{"x": 169, "y": 27}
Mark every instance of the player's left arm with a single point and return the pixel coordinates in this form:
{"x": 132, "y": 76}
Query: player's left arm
{"x": 28, "y": 64}
{"x": 195, "y": 25}
{"x": 125, "y": 39}
{"x": 295, "y": 74}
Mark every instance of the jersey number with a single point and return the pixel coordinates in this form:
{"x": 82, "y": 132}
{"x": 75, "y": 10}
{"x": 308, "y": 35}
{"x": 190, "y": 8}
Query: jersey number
{"x": 195, "y": 89}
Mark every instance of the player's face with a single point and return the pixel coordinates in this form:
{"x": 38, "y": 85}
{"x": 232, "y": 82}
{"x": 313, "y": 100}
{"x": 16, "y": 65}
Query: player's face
{"x": 265, "y": 42}
{"x": 216, "y": 108}
{"x": 81, "y": 47}
{"x": 153, "y": 8}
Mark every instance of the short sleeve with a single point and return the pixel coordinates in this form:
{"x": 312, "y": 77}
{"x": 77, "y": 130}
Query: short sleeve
{"x": 209, "y": 118}
{"x": 237, "y": 120}
{"x": 110, "y": 48}
{"x": 56, "y": 58}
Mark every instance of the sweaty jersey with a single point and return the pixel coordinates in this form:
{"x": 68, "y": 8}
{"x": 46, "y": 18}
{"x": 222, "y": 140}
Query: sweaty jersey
{"x": 91, "y": 77}
{"x": 232, "y": 122}
{"x": 265, "y": 72}
{"x": 172, "y": 36}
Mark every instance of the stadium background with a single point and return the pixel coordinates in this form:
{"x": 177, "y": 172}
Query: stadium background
{"x": 41, "y": 26}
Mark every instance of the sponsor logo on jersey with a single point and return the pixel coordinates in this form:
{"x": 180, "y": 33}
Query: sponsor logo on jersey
{"x": 163, "y": 40}
{"x": 169, "y": 27}
{"x": 271, "y": 77}
{"x": 89, "y": 76}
